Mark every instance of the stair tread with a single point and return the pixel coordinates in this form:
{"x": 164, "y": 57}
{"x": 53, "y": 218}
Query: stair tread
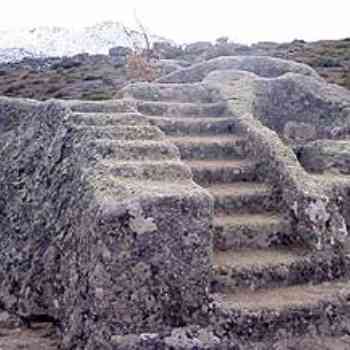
{"x": 177, "y": 103}
{"x": 123, "y": 189}
{"x": 283, "y": 297}
{"x": 248, "y": 219}
{"x": 248, "y": 258}
{"x": 239, "y": 188}
{"x": 131, "y": 142}
{"x": 191, "y": 119}
{"x": 206, "y": 139}
{"x": 331, "y": 178}
{"x": 234, "y": 163}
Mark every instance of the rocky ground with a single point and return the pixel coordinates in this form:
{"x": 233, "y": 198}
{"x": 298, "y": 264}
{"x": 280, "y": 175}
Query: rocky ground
{"x": 99, "y": 77}
{"x": 42, "y": 337}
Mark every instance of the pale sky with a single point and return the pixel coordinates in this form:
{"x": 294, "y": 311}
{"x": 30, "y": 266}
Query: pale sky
{"x": 243, "y": 21}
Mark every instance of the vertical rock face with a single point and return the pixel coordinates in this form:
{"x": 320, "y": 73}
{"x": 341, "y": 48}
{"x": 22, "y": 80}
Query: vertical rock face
{"x": 100, "y": 251}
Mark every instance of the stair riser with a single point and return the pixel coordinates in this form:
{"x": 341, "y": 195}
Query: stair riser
{"x": 211, "y": 151}
{"x": 110, "y": 106}
{"x": 153, "y": 172}
{"x": 181, "y": 110}
{"x": 253, "y": 203}
{"x": 331, "y": 318}
{"x": 209, "y": 176}
{"x": 103, "y": 119}
{"x": 119, "y": 133}
{"x": 170, "y": 93}
{"x": 175, "y": 127}
{"x": 245, "y": 236}
{"x": 131, "y": 152}
{"x": 317, "y": 269}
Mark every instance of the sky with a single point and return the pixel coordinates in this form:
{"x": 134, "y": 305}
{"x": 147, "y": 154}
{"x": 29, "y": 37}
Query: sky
{"x": 184, "y": 21}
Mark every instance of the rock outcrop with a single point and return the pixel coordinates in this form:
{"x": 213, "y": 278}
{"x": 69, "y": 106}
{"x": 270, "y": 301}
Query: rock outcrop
{"x": 300, "y": 108}
{"x": 108, "y": 234}
{"x": 95, "y": 217}
{"x": 267, "y": 67}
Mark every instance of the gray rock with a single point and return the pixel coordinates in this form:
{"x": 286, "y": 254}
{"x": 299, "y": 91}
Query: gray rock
{"x": 300, "y": 107}
{"x": 98, "y": 253}
{"x": 119, "y": 55}
{"x": 267, "y": 67}
{"x": 119, "y": 51}
{"x": 166, "y": 50}
{"x": 326, "y": 156}
{"x": 198, "y": 48}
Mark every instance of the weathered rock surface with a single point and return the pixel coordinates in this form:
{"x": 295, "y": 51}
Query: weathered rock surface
{"x": 95, "y": 250}
{"x": 326, "y": 156}
{"x": 262, "y": 66}
{"x": 299, "y": 107}
{"x": 119, "y": 240}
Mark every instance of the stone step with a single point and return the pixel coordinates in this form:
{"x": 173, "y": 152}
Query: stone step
{"x": 191, "y": 126}
{"x": 178, "y": 109}
{"x": 123, "y": 132}
{"x": 146, "y": 170}
{"x": 208, "y": 172}
{"x": 242, "y": 197}
{"x": 251, "y": 231}
{"x": 116, "y": 194}
{"x": 283, "y": 312}
{"x": 104, "y": 119}
{"x": 108, "y": 106}
{"x": 130, "y": 150}
{"x": 170, "y": 92}
{"x": 253, "y": 269}
{"x": 209, "y": 147}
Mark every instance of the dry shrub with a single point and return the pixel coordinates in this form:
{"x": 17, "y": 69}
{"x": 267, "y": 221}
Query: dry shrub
{"x": 142, "y": 62}
{"x": 139, "y": 68}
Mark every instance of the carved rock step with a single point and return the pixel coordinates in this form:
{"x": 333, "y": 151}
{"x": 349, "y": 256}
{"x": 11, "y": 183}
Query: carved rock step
{"x": 170, "y": 92}
{"x": 209, "y": 147}
{"x": 177, "y": 109}
{"x": 110, "y": 106}
{"x": 208, "y": 172}
{"x": 271, "y": 268}
{"x": 242, "y": 197}
{"x": 123, "y": 132}
{"x": 117, "y": 193}
{"x": 146, "y": 170}
{"x": 104, "y": 119}
{"x": 190, "y": 126}
{"x": 251, "y": 231}
{"x": 282, "y": 312}
{"x": 130, "y": 150}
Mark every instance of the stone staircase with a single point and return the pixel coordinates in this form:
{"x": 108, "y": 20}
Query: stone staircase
{"x": 265, "y": 283}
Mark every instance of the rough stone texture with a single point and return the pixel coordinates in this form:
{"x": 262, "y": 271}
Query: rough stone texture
{"x": 166, "y": 50}
{"x": 118, "y": 51}
{"x": 175, "y": 92}
{"x": 263, "y": 66}
{"x": 41, "y": 336}
{"x": 315, "y": 216}
{"x": 319, "y": 310}
{"x": 300, "y": 108}
{"x": 326, "y": 156}
{"x": 96, "y": 253}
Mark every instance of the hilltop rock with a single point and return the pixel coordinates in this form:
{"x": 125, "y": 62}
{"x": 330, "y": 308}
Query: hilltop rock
{"x": 263, "y": 66}
{"x": 300, "y": 107}
{"x": 166, "y": 50}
